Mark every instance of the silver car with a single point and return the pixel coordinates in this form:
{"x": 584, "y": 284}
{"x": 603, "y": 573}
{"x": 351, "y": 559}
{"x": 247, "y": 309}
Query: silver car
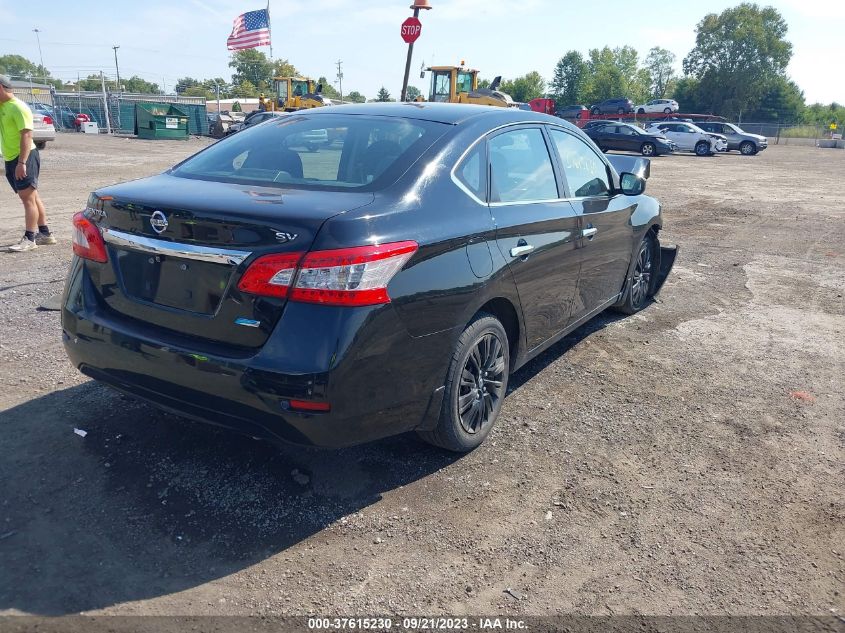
{"x": 42, "y": 131}
{"x": 748, "y": 144}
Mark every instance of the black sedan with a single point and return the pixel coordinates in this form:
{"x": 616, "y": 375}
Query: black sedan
{"x": 628, "y": 138}
{"x": 387, "y": 282}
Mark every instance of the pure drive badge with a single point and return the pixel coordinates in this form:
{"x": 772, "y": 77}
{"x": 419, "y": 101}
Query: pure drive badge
{"x": 158, "y": 221}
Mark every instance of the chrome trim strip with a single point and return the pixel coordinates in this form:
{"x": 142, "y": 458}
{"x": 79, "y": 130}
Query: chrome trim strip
{"x": 174, "y": 249}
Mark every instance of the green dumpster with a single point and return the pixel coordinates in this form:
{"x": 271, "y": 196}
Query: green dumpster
{"x": 160, "y": 120}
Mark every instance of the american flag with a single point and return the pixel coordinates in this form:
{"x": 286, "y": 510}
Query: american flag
{"x": 251, "y": 29}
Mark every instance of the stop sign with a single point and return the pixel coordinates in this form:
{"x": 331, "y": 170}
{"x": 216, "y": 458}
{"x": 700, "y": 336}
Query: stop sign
{"x": 411, "y": 29}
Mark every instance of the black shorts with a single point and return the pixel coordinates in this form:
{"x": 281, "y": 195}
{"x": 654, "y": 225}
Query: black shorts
{"x": 33, "y": 167}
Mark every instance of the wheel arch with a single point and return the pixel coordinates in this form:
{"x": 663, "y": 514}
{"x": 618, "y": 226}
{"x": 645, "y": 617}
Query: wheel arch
{"x": 505, "y": 311}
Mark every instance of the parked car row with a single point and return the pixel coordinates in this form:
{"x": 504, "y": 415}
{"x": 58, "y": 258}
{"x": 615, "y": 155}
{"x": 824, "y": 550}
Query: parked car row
{"x": 666, "y": 137}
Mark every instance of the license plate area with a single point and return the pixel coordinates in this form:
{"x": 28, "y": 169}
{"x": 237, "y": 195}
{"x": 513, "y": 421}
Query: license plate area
{"x": 175, "y": 282}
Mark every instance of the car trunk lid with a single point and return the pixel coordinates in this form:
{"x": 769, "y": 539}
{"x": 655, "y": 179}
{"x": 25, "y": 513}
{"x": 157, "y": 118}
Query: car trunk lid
{"x": 178, "y": 246}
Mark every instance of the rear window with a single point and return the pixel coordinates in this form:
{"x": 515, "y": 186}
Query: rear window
{"x": 320, "y": 152}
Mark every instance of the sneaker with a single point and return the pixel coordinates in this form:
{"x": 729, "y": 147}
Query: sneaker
{"x": 24, "y": 245}
{"x": 45, "y": 239}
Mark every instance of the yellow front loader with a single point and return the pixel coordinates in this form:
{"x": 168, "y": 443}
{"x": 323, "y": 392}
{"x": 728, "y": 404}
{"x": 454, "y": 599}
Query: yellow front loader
{"x": 296, "y": 93}
{"x": 456, "y": 84}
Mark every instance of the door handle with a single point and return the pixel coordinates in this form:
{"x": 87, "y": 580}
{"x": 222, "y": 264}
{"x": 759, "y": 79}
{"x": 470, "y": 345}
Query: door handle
{"x": 589, "y": 233}
{"x": 523, "y": 249}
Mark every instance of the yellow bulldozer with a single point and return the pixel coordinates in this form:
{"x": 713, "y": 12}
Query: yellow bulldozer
{"x": 457, "y": 84}
{"x": 296, "y": 93}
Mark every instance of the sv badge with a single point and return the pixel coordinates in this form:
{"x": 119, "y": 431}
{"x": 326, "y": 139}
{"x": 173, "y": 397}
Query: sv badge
{"x": 284, "y": 236}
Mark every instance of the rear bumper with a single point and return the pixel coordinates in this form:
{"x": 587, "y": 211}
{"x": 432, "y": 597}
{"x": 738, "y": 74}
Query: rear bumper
{"x": 43, "y": 134}
{"x": 379, "y": 380}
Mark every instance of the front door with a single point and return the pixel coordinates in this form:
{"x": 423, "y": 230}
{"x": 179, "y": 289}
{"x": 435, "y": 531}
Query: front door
{"x": 606, "y": 238}
{"x": 536, "y": 230}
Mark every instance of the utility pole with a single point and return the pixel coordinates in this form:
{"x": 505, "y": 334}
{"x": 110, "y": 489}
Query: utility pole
{"x": 116, "y": 67}
{"x": 340, "y": 79}
{"x": 40, "y": 56}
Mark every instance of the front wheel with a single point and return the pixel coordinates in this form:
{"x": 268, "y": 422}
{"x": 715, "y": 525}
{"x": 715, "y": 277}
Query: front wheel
{"x": 747, "y": 149}
{"x": 643, "y": 279}
{"x": 641, "y": 111}
{"x": 702, "y": 148}
{"x": 475, "y": 386}
{"x": 621, "y": 111}
{"x": 594, "y": 111}
{"x": 648, "y": 149}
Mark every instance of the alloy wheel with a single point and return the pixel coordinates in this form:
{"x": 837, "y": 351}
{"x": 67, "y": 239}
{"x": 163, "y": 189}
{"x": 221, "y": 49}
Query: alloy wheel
{"x": 641, "y": 281}
{"x": 481, "y": 383}
{"x": 648, "y": 149}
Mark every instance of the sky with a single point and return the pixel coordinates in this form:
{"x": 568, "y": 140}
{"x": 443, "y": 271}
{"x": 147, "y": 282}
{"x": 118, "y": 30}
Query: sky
{"x": 164, "y": 40}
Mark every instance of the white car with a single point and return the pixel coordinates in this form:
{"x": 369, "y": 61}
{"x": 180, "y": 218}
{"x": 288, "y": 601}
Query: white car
{"x": 667, "y": 106}
{"x": 42, "y": 130}
{"x": 689, "y": 137}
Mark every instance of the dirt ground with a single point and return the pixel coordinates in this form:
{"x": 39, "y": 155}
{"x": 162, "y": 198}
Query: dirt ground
{"x": 687, "y": 460}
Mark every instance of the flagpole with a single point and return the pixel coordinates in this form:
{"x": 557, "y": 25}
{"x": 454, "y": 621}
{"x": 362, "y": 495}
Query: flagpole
{"x": 270, "y": 29}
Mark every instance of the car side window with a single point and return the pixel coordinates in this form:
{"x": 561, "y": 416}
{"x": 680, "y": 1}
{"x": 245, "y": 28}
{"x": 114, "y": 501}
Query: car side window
{"x": 585, "y": 172}
{"x": 472, "y": 172}
{"x": 520, "y": 167}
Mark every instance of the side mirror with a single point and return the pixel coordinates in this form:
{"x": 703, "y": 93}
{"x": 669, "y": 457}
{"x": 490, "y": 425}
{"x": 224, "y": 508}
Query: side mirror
{"x": 631, "y": 184}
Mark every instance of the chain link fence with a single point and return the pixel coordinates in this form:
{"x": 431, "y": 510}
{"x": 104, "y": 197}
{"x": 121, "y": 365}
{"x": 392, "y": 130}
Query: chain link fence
{"x": 789, "y": 133}
{"x": 113, "y": 112}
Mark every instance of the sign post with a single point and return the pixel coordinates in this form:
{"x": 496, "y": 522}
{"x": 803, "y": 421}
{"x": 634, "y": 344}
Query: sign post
{"x": 410, "y": 31}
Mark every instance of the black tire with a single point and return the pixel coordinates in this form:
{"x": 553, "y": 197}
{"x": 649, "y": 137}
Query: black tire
{"x": 747, "y": 148}
{"x": 702, "y": 148}
{"x": 482, "y": 347}
{"x": 643, "y": 280}
{"x": 41, "y": 145}
{"x": 648, "y": 149}
{"x": 595, "y": 111}
{"x": 641, "y": 111}
{"x": 620, "y": 111}
{"x": 578, "y": 115}
{"x": 667, "y": 110}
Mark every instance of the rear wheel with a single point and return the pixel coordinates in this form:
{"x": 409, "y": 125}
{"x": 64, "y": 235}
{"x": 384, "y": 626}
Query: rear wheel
{"x": 648, "y": 149}
{"x": 475, "y": 386}
{"x": 41, "y": 144}
{"x": 594, "y": 111}
{"x": 702, "y": 148}
{"x": 643, "y": 279}
{"x": 667, "y": 110}
{"x": 747, "y": 148}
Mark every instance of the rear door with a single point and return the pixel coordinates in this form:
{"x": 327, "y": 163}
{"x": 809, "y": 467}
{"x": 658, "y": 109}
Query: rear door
{"x": 606, "y": 238}
{"x": 626, "y": 138}
{"x": 536, "y": 228}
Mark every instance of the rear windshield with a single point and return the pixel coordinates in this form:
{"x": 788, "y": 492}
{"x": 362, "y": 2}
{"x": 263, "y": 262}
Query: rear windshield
{"x": 336, "y": 152}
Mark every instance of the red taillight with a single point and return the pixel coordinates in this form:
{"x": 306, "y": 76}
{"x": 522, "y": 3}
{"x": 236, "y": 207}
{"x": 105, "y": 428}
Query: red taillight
{"x": 309, "y": 405}
{"x": 343, "y": 277}
{"x": 87, "y": 240}
{"x": 270, "y": 275}
{"x": 48, "y": 120}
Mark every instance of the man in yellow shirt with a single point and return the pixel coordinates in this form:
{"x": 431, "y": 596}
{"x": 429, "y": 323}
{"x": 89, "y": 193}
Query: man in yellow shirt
{"x": 23, "y": 164}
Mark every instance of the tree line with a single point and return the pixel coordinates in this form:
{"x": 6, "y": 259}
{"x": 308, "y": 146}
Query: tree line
{"x": 737, "y": 69}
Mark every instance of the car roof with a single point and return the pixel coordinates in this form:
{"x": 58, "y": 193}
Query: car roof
{"x": 451, "y": 113}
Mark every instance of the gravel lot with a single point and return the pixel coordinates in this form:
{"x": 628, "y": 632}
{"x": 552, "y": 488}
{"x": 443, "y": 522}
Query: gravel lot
{"x": 687, "y": 460}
